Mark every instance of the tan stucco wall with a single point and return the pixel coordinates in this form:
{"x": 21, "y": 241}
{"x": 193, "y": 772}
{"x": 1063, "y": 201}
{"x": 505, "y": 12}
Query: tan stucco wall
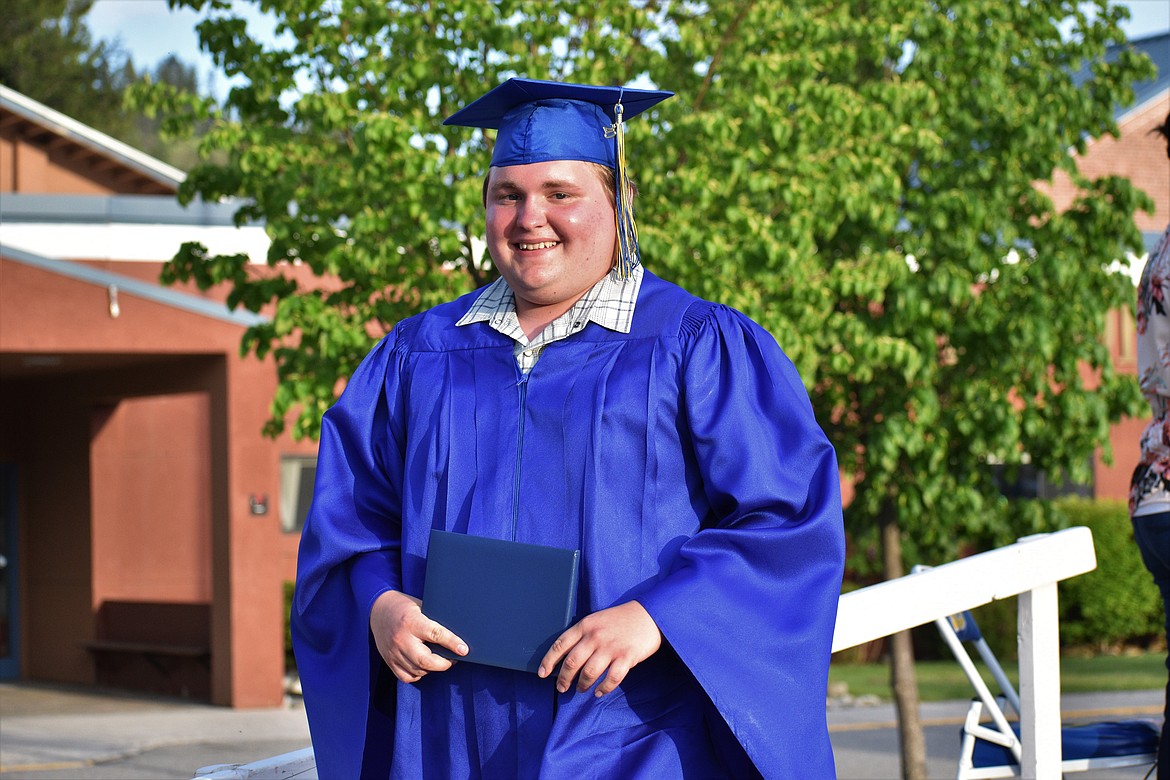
{"x": 151, "y": 500}
{"x": 31, "y": 162}
{"x": 159, "y": 408}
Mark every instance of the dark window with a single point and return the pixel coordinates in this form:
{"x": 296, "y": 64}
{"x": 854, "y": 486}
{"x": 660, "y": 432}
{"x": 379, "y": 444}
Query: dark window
{"x": 297, "y": 473}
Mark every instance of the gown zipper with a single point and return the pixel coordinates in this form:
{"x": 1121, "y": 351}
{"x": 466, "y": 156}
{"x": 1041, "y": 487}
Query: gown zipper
{"x": 522, "y": 387}
{"x": 522, "y": 392}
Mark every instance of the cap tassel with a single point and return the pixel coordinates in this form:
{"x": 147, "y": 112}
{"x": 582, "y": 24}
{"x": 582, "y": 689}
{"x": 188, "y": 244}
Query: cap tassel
{"x": 627, "y": 229}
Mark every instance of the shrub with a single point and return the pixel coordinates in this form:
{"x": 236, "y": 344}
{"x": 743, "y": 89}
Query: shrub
{"x": 1116, "y": 603}
{"x": 290, "y": 662}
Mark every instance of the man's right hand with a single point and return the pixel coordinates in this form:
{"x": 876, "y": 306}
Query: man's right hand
{"x": 401, "y": 632}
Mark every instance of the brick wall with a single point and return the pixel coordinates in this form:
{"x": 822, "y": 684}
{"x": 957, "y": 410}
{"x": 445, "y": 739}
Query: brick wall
{"x": 1136, "y": 154}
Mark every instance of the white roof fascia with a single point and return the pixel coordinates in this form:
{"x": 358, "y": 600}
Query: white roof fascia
{"x": 87, "y": 136}
{"x": 153, "y": 292}
{"x": 1122, "y": 117}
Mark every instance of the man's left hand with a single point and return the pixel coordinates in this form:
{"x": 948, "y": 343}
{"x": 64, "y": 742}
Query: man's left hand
{"x": 607, "y": 643}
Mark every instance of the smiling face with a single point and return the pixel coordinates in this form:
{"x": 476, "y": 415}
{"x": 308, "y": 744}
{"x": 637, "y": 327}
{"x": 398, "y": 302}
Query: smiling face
{"x": 550, "y": 231}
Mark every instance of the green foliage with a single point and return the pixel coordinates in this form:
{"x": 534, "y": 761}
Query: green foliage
{"x": 1115, "y": 605}
{"x": 1118, "y": 601}
{"x": 48, "y": 54}
{"x": 290, "y": 661}
{"x": 148, "y": 132}
{"x": 859, "y": 176}
{"x": 998, "y": 622}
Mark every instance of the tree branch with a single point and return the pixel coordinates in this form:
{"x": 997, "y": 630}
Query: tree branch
{"x": 728, "y": 36}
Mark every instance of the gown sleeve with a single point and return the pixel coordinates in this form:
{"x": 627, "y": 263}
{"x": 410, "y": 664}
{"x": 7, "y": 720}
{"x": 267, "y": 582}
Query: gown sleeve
{"x": 348, "y": 556}
{"x": 749, "y": 602}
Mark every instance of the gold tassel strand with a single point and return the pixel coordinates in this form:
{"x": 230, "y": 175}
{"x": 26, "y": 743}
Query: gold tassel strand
{"x": 627, "y": 229}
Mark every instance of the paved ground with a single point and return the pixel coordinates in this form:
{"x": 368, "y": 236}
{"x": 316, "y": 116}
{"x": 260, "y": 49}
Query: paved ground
{"x": 865, "y": 739}
{"x": 58, "y": 733}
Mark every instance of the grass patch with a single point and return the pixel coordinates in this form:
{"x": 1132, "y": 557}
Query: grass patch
{"x": 1113, "y": 673}
{"x": 943, "y": 680}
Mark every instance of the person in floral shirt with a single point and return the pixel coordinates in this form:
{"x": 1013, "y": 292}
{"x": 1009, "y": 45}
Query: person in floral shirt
{"x": 1149, "y": 495}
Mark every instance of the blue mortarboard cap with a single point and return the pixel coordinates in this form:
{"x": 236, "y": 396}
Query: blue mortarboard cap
{"x": 539, "y": 121}
{"x": 542, "y": 121}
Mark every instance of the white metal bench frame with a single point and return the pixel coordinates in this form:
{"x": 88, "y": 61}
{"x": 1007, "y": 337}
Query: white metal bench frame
{"x": 1029, "y": 569}
{"x": 998, "y": 706}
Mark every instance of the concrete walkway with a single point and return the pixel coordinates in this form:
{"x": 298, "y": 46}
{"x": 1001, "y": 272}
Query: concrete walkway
{"x": 64, "y": 733}
{"x": 61, "y": 732}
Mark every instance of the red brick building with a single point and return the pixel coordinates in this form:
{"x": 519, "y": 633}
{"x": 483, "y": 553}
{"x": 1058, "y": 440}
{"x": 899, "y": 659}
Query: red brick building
{"x": 1139, "y": 155}
{"x": 146, "y": 526}
{"x": 141, "y": 526}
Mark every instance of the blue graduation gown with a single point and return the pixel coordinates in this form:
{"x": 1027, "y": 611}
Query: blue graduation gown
{"x": 682, "y": 459}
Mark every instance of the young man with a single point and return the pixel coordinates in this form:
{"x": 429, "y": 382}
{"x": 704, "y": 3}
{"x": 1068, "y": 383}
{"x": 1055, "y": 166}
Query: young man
{"x": 578, "y": 402}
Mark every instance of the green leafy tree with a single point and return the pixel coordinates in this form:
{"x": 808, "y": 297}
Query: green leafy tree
{"x": 861, "y": 177}
{"x": 147, "y": 132}
{"x": 47, "y": 53}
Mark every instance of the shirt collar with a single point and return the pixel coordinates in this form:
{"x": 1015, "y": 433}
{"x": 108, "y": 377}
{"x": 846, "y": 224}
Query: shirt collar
{"x": 609, "y": 303}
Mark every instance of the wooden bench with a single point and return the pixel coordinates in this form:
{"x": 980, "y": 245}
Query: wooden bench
{"x": 160, "y": 647}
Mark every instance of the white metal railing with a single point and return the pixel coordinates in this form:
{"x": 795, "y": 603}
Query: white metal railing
{"x": 1029, "y": 569}
{"x": 298, "y": 764}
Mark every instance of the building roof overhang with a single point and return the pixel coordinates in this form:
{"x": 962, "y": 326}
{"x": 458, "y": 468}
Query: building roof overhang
{"x": 130, "y": 286}
{"x": 37, "y": 122}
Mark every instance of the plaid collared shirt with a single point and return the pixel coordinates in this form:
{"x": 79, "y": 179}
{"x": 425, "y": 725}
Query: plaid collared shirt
{"x": 609, "y": 303}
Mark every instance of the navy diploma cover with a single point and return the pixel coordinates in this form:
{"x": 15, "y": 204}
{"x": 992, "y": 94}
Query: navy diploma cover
{"x": 508, "y": 601}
